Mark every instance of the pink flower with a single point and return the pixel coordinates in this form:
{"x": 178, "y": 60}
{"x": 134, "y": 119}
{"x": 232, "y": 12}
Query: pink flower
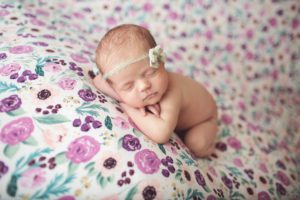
{"x": 238, "y": 162}
{"x": 32, "y": 178}
{"x": 263, "y": 168}
{"x": 20, "y": 49}
{"x": 121, "y": 123}
{"x": 295, "y": 23}
{"x": 9, "y": 69}
{"x": 283, "y": 178}
{"x": 79, "y": 58}
{"x": 82, "y": 149}
{"x": 52, "y": 67}
{"x": 229, "y": 47}
{"x": 226, "y": 119}
{"x": 148, "y": 7}
{"x": 209, "y": 35}
{"x": 147, "y": 161}
{"x": 3, "y": 13}
{"x": 173, "y": 15}
{"x": 67, "y": 83}
{"x": 273, "y": 22}
{"x": 37, "y": 22}
{"x": 16, "y": 131}
{"x": 249, "y": 34}
{"x": 234, "y": 143}
{"x": 68, "y": 197}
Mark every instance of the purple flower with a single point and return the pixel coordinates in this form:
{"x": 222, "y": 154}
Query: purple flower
{"x": 199, "y": 178}
{"x": 280, "y": 164}
{"x": 147, "y": 161}
{"x": 20, "y": 49}
{"x": 68, "y": 197}
{"x": 131, "y": 143}
{"x": 211, "y": 197}
{"x": 10, "y": 103}
{"x": 234, "y": 143}
{"x": 67, "y": 83}
{"x": 227, "y": 181}
{"x": 280, "y": 189}
{"x": 9, "y": 69}
{"x": 79, "y": 58}
{"x": 263, "y": 196}
{"x": 42, "y": 44}
{"x": 3, "y": 56}
{"x": 16, "y": 131}
{"x": 82, "y": 149}
{"x": 283, "y": 178}
{"x": 221, "y": 146}
{"x": 87, "y": 95}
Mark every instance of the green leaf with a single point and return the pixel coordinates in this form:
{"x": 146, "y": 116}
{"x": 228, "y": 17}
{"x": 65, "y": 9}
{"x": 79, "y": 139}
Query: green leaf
{"x": 73, "y": 167}
{"x": 39, "y": 70}
{"x": 16, "y": 112}
{"x": 10, "y": 151}
{"x": 108, "y": 123}
{"x": 61, "y": 158}
{"x": 131, "y": 193}
{"x": 120, "y": 142}
{"x": 162, "y": 148}
{"x": 5, "y": 87}
{"x": 30, "y": 141}
{"x": 52, "y": 119}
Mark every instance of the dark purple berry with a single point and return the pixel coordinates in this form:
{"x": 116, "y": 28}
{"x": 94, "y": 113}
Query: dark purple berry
{"x": 79, "y": 69}
{"x": 45, "y": 112}
{"x": 97, "y": 124}
{"x": 89, "y": 119}
{"x": 127, "y": 180}
{"x": 21, "y": 79}
{"x": 51, "y": 160}
{"x": 164, "y": 162}
{"x": 85, "y": 127}
{"x": 33, "y": 76}
{"x": 43, "y": 165}
{"x": 32, "y": 162}
{"x": 54, "y": 110}
{"x": 26, "y": 72}
{"x": 165, "y": 173}
{"x": 38, "y": 109}
{"x": 42, "y": 158}
{"x": 80, "y": 74}
{"x": 123, "y": 174}
{"x": 169, "y": 159}
{"x": 171, "y": 169}
{"x": 50, "y": 107}
{"x": 52, "y": 166}
{"x": 129, "y": 164}
{"x": 76, "y": 122}
{"x": 131, "y": 172}
{"x": 14, "y": 76}
{"x": 57, "y": 106}
{"x": 120, "y": 182}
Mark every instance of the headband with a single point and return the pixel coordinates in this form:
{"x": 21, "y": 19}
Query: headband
{"x": 155, "y": 56}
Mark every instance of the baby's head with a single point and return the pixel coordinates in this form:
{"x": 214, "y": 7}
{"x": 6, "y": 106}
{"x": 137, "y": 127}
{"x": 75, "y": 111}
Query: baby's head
{"x": 122, "y": 58}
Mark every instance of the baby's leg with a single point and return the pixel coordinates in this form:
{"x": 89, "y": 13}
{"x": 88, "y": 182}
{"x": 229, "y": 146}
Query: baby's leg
{"x": 201, "y": 138}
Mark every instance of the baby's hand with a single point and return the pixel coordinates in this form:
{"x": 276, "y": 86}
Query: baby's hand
{"x": 154, "y": 109}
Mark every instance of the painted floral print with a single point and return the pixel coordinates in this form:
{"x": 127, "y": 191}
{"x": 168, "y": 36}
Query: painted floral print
{"x": 61, "y": 138}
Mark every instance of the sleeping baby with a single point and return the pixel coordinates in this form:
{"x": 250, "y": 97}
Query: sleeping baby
{"x": 159, "y": 102}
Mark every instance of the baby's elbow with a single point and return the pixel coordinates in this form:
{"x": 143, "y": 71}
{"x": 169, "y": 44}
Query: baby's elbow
{"x": 164, "y": 136}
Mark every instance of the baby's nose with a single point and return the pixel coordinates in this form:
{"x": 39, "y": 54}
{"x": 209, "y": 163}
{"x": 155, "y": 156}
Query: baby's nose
{"x": 144, "y": 85}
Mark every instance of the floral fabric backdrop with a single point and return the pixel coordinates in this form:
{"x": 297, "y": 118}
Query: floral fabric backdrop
{"x": 62, "y": 139}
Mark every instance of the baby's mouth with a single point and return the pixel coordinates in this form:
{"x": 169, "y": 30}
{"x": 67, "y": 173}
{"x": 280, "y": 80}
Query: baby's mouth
{"x": 150, "y": 96}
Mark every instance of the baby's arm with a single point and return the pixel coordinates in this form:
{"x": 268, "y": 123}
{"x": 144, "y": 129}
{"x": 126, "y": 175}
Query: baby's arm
{"x": 159, "y": 129}
{"x": 103, "y": 86}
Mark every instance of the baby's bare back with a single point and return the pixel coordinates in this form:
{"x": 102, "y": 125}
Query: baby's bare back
{"x": 197, "y": 104}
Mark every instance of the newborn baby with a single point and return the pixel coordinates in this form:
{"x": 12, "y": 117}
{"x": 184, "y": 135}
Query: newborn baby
{"x": 132, "y": 71}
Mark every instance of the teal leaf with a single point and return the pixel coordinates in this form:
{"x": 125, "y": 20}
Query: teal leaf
{"x": 7, "y": 87}
{"x": 16, "y": 112}
{"x": 10, "y": 151}
{"x": 108, "y": 123}
{"x": 61, "y": 158}
{"x": 12, "y": 186}
{"x": 30, "y": 141}
{"x": 89, "y": 166}
{"x": 39, "y": 70}
{"x": 131, "y": 193}
{"x": 162, "y": 148}
{"x": 120, "y": 143}
{"x": 73, "y": 167}
{"x": 52, "y": 119}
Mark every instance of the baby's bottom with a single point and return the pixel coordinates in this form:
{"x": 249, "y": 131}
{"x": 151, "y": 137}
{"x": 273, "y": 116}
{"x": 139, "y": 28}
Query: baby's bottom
{"x": 201, "y": 138}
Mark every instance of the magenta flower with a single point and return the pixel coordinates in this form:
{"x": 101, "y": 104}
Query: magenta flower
{"x": 234, "y": 143}
{"x": 79, "y": 58}
{"x": 3, "y": 13}
{"x": 9, "y": 69}
{"x": 226, "y": 119}
{"x": 37, "y": 22}
{"x": 87, "y": 95}
{"x": 283, "y": 178}
{"x": 131, "y": 143}
{"x": 147, "y": 161}
{"x": 32, "y": 178}
{"x": 68, "y": 197}
{"x": 20, "y": 49}
{"x": 263, "y": 196}
{"x": 82, "y": 149}
{"x": 10, "y": 103}
{"x": 67, "y": 83}
{"x": 17, "y": 131}
{"x": 238, "y": 162}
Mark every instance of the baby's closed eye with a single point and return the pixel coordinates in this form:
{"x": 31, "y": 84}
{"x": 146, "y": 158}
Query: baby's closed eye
{"x": 127, "y": 86}
{"x": 150, "y": 72}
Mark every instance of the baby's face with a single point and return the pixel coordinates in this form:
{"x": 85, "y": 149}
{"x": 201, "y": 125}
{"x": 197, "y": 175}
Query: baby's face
{"x": 140, "y": 85}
